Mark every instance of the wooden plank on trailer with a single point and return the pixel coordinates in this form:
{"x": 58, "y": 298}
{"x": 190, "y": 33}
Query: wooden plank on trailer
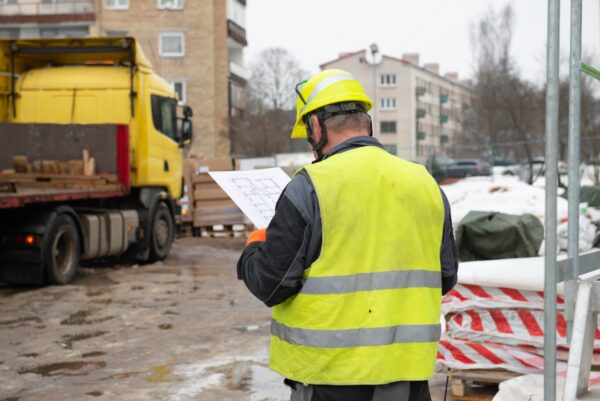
{"x": 108, "y": 178}
{"x": 89, "y": 167}
{"x": 19, "y": 163}
{"x": 50, "y": 167}
{"x": 76, "y": 167}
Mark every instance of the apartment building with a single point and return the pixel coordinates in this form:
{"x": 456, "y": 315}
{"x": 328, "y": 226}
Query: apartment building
{"x": 197, "y": 45}
{"x": 417, "y": 111}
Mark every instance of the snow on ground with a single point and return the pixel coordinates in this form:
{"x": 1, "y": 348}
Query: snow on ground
{"x": 498, "y": 194}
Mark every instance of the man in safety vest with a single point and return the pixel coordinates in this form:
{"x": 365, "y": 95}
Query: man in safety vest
{"x": 355, "y": 260}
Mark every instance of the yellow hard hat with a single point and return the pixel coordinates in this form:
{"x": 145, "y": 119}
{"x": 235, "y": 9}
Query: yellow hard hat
{"x": 325, "y": 88}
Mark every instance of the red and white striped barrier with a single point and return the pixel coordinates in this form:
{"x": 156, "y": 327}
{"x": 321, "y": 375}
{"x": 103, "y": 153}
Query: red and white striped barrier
{"x": 466, "y": 297}
{"x": 462, "y": 355}
{"x": 501, "y": 328}
{"x": 507, "y": 326}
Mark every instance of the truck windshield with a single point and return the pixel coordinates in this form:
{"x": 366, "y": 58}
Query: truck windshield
{"x": 164, "y": 115}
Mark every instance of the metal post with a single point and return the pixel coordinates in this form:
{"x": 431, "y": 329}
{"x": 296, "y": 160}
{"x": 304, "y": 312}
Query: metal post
{"x": 551, "y": 162}
{"x": 374, "y": 50}
{"x": 574, "y": 154}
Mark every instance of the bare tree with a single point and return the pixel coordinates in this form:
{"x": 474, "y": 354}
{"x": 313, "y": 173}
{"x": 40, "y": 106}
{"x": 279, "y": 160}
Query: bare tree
{"x": 506, "y": 116}
{"x": 275, "y": 74}
{"x": 270, "y": 105}
{"x": 590, "y": 145}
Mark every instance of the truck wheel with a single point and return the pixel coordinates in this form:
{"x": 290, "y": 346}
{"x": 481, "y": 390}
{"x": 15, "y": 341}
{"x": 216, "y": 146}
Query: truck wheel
{"x": 62, "y": 251}
{"x": 162, "y": 233}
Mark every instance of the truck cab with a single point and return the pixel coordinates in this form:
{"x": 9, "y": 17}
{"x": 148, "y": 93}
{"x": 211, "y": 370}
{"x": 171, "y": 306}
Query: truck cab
{"x": 65, "y": 87}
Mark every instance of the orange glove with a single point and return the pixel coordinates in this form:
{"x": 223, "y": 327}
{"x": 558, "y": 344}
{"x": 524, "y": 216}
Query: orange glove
{"x": 257, "y": 236}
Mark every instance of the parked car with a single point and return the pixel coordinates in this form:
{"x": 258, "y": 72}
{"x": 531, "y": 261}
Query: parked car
{"x": 437, "y": 166}
{"x": 538, "y": 169}
{"x": 502, "y": 166}
{"x": 468, "y": 168}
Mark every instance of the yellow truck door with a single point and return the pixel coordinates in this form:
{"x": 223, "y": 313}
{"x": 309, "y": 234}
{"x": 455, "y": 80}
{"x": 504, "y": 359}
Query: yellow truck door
{"x": 164, "y": 121}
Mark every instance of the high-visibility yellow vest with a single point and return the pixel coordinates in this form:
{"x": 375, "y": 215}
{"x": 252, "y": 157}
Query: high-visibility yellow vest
{"x": 369, "y": 309}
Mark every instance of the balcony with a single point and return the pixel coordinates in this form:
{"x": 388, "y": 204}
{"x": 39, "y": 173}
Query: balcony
{"x": 239, "y": 72}
{"x": 44, "y": 11}
{"x": 237, "y": 33}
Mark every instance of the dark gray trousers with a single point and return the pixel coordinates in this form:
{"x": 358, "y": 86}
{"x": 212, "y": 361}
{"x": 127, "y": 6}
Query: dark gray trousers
{"x": 399, "y": 391}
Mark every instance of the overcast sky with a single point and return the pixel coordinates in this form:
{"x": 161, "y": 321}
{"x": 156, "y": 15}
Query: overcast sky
{"x": 316, "y": 31}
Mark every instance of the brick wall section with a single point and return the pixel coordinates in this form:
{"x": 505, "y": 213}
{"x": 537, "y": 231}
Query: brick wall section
{"x": 204, "y": 68}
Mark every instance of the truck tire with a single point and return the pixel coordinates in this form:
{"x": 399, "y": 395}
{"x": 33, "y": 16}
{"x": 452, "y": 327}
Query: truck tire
{"x": 62, "y": 251}
{"x": 162, "y": 233}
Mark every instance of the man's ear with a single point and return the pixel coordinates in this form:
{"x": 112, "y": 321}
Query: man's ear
{"x": 316, "y": 129}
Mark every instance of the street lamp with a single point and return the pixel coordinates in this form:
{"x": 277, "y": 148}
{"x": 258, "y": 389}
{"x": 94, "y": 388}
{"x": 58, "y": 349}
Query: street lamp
{"x": 374, "y": 51}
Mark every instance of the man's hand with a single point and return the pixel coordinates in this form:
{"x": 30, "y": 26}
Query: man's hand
{"x": 257, "y": 236}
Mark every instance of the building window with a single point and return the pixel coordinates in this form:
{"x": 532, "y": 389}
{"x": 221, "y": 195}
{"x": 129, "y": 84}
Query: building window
{"x": 388, "y": 103}
{"x": 179, "y": 88}
{"x": 64, "y": 32}
{"x": 388, "y": 127}
{"x": 387, "y": 80}
{"x": 116, "y": 4}
{"x": 170, "y": 4}
{"x": 171, "y": 44}
{"x": 10, "y": 33}
{"x": 116, "y": 34}
{"x": 164, "y": 115}
{"x": 393, "y": 149}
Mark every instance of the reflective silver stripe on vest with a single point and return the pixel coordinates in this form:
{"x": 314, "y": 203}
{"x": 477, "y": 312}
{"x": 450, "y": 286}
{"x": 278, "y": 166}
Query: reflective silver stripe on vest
{"x": 372, "y": 281}
{"x": 324, "y": 84}
{"x": 417, "y": 333}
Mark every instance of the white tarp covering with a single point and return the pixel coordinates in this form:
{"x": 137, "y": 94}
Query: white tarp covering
{"x": 519, "y": 274}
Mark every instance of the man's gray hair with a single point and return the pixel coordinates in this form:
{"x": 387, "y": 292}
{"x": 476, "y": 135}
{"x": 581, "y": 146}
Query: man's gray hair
{"x": 353, "y": 121}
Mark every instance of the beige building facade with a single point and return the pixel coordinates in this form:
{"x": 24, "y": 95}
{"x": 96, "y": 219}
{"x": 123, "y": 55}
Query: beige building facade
{"x": 196, "y": 45}
{"x": 417, "y": 111}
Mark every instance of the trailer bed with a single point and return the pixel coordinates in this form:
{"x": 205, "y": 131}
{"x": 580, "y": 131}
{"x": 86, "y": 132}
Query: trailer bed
{"x": 20, "y": 189}
{"x": 49, "y": 162}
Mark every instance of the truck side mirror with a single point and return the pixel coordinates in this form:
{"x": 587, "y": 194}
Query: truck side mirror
{"x": 186, "y": 131}
{"x": 187, "y": 112}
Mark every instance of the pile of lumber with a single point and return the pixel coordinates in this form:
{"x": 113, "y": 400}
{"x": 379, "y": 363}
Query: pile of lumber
{"x": 207, "y": 204}
{"x": 86, "y": 166}
{"x": 50, "y": 175}
{"x": 14, "y": 182}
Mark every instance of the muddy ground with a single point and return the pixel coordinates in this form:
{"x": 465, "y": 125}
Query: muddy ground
{"x": 183, "y": 329}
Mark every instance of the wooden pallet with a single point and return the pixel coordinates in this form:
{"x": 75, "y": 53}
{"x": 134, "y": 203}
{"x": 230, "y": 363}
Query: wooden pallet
{"x": 222, "y": 231}
{"x": 477, "y": 385}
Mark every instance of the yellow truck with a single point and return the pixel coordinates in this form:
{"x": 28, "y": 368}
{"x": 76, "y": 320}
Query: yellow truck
{"x": 91, "y": 157}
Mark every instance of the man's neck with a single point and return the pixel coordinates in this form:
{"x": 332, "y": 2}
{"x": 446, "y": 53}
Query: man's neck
{"x": 336, "y": 138}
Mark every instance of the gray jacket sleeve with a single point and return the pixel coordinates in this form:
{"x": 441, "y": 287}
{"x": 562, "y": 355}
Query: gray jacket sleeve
{"x": 274, "y": 270}
{"x": 448, "y": 252}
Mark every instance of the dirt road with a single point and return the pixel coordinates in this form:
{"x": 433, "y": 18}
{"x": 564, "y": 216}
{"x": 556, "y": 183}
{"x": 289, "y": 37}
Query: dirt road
{"x": 184, "y": 329}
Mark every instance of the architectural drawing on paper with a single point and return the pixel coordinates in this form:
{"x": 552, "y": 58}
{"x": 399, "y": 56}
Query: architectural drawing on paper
{"x": 255, "y": 192}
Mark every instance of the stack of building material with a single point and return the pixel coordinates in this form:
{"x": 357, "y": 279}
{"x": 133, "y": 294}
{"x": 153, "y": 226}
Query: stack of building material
{"x": 495, "y": 320}
{"x": 210, "y": 209}
{"x": 85, "y": 166}
{"x": 38, "y": 176}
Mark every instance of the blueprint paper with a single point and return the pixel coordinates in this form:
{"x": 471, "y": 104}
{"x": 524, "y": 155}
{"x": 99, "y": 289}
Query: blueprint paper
{"x": 255, "y": 192}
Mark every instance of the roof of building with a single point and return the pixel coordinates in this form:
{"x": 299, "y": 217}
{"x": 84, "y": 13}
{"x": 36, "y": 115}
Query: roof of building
{"x": 342, "y": 56}
{"x": 346, "y": 55}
